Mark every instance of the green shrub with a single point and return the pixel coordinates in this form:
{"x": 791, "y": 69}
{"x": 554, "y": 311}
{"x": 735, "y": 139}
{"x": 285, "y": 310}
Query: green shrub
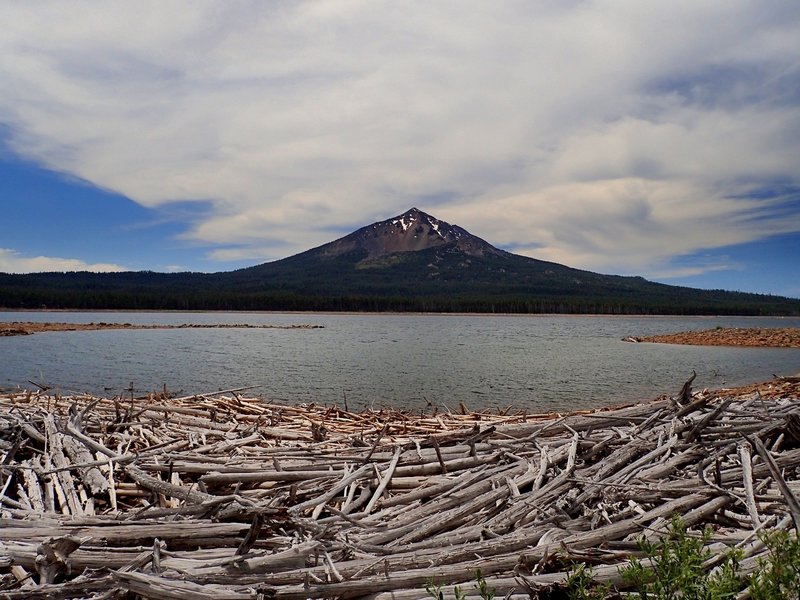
{"x": 677, "y": 569}
{"x": 677, "y": 572}
{"x": 778, "y": 577}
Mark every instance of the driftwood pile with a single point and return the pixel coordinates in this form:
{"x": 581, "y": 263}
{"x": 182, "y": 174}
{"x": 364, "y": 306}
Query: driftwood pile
{"x": 12, "y": 328}
{"x": 763, "y": 337}
{"x": 226, "y": 497}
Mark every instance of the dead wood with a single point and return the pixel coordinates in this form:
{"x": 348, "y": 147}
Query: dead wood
{"x": 220, "y": 496}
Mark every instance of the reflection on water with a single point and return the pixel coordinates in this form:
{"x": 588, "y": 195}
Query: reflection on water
{"x": 535, "y": 363}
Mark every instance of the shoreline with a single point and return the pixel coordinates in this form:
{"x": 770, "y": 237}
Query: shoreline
{"x": 388, "y": 313}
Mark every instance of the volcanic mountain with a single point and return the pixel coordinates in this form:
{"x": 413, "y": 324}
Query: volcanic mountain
{"x": 412, "y": 231}
{"x": 411, "y": 262}
{"x": 401, "y": 252}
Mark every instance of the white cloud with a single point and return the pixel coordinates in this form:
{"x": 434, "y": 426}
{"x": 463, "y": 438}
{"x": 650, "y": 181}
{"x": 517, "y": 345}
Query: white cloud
{"x": 702, "y": 267}
{"x": 175, "y": 268}
{"x": 12, "y": 262}
{"x": 603, "y": 135}
{"x": 626, "y": 226}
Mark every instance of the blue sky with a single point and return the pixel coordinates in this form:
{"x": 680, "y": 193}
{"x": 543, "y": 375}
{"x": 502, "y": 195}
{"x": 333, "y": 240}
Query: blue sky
{"x": 659, "y": 139}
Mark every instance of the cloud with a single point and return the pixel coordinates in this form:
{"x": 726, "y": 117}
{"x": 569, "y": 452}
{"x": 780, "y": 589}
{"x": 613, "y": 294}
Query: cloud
{"x": 175, "y": 268}
{"x": 627, "y": 225}
{"x": 615, "y": 136}
{"x": 12, "y": 262}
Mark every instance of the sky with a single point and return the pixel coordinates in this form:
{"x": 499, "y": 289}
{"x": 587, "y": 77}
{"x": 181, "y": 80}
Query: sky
{"x": 659, "y": 139}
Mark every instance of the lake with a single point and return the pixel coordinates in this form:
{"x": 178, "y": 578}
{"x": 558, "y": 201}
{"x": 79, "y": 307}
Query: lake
{"x": 531, "y": 362}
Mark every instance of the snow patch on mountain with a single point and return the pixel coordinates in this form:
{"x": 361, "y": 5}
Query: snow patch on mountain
{"x": 402, "y": 220}
{"x": 435, "y": 224}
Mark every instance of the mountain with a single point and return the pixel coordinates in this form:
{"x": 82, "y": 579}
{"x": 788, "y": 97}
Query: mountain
{"x": 420, "y": 255}
{"x": 411, "y": 262}
{"x": 413, "y": 231}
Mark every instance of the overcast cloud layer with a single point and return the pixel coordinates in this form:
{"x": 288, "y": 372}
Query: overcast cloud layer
{"x": 615, "y": 136}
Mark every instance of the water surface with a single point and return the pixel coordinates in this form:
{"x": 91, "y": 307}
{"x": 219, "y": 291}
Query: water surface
{"x": 535, "y": 363}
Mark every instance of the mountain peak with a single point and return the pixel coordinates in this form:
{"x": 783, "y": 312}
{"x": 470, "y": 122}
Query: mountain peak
{"x": 412, "y": 231}
{"x": 416, "y": 218}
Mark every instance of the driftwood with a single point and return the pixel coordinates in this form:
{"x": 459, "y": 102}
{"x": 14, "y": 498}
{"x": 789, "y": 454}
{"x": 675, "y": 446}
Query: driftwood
{"x": 31, "y": 327}
{"x": 222, "y": 496}
{"x": 766, "y": 337}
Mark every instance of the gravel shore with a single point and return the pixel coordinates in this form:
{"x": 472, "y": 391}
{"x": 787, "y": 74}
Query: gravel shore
{"x": 784, "y": 337}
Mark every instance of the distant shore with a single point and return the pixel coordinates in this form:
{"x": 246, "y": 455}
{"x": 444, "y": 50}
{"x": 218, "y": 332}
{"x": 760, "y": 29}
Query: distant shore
{"x": 113, "y": 311}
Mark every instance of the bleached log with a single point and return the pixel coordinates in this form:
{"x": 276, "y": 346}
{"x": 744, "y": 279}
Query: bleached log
{"x": 747, "y": 477}
{"x": 385, "y": 479}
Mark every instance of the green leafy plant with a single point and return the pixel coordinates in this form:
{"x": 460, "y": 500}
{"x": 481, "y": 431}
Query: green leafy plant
{"x": 726, "y": 582}
{"x": 434, "y": 590}
{"x": 778, "y": 576}
{"x": 676, "y": 569}
{"x": 484, "y": 590}
{"x": 580, "y": 584}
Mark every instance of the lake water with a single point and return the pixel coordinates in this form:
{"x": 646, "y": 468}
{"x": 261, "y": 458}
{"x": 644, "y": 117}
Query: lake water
{"x": 536, "y": 363}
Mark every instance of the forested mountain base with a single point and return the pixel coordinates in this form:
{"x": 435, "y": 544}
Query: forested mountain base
{"x": 236, "y": 292}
